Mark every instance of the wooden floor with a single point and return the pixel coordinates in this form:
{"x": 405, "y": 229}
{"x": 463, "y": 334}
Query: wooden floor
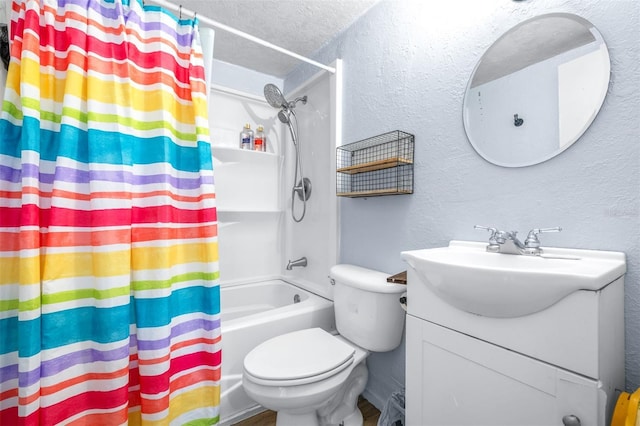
{"x": 268, "y": 418}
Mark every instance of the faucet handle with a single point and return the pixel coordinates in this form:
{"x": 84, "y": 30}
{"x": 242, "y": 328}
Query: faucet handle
{"x": 492, "y": 237}
{"x": 532, "y": 240}
{"x": 494, "y": 244}
{"x": 488, "y": 228}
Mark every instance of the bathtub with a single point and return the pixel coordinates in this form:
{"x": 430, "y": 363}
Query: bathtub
{"x": 252, "y": 313}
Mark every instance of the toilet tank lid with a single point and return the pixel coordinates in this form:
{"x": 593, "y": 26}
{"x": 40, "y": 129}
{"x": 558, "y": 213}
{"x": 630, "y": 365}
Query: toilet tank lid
{"x": 365, "y": 279}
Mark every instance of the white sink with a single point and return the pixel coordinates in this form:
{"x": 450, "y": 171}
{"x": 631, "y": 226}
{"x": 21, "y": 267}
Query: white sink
{"x": 500, "y": 285}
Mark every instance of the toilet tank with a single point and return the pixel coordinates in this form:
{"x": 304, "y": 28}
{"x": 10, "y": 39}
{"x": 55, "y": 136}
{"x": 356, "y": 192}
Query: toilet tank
{"x": 367, "y": 307}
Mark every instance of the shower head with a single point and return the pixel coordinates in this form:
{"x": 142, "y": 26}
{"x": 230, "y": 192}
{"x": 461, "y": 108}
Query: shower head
{"x": 276, "y": 99}
{"x": 274, "y": 96}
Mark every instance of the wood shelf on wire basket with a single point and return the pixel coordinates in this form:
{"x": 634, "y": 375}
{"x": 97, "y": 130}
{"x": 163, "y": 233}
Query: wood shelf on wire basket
{"x": 374, "y": 165}
{"x": 373, "y": 193}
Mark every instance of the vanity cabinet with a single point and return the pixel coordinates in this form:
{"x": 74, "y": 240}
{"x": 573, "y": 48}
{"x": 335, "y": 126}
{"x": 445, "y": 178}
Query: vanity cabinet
{"x": 538, "y": 369}
{"x": 454, "y": 379}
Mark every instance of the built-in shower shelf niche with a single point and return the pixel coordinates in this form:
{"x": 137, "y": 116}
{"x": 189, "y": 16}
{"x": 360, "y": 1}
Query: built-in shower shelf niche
{"x": 226, "y": 153}
{"x": 250, "y": 180}
{"x": 380, "y": 165}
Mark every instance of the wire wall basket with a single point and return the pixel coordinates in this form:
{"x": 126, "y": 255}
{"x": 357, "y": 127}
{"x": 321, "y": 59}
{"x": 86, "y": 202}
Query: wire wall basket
{"x": 380, "y": 165}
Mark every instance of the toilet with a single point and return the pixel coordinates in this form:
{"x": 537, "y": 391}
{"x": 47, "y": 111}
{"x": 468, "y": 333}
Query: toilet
{"x": 313, "y": 377}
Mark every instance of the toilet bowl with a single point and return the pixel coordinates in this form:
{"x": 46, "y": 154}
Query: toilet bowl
{"x": 313, "y": 377}
{"x": 305, "y": 387}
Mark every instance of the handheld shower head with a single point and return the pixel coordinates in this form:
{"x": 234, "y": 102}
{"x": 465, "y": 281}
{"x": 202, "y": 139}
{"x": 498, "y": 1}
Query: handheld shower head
{"x": 284, "y": 115}
{"x": 276, "y": 99}
{"x": 274, "y": 96}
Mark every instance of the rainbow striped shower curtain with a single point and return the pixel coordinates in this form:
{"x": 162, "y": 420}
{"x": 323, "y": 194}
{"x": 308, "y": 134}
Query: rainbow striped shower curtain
{"x": 109, "y": 297}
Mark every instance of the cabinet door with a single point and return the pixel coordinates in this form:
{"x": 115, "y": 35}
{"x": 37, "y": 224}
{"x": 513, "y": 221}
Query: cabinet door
{"x": 456, "y": 379}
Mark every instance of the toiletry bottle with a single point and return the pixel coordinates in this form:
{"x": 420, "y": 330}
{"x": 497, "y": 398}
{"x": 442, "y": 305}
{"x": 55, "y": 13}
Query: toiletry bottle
{"x": 259, "y": 140}
{"x": 246, "y": 137}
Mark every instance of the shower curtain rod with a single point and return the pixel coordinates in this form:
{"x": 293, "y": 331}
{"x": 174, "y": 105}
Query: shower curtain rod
{"x": 215, "y": 24}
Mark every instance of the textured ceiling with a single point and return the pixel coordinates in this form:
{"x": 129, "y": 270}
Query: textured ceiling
{"x": 301, "y": 26}
{"x": 530, "y": 42}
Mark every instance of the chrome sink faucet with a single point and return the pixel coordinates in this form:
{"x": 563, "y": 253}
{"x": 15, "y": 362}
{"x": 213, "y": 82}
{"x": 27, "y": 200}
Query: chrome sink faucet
{"x": 295, "y": 263}
{"x": 508, "y": 242}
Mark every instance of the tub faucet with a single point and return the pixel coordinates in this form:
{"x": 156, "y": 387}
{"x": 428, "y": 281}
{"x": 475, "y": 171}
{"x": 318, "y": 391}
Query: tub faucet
{"x": 297, "y": 263}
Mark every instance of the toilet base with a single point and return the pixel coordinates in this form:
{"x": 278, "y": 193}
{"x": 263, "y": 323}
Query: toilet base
{"x": 284, "y": 418}
{"x": 343, "y": 407}
{"x": 311, "y": 419}
{"x": 353, "y": 419}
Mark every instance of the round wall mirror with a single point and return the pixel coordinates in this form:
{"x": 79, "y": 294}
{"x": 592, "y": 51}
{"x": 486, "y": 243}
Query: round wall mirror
{"x": 536, "y": 90}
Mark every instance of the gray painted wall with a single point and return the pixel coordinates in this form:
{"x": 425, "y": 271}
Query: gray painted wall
{"x": 406, "y": 67}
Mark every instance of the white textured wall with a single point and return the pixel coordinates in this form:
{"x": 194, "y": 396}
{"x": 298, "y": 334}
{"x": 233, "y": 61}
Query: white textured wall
{"x": 5, "y": 12}
{"x": 406, "y": 67}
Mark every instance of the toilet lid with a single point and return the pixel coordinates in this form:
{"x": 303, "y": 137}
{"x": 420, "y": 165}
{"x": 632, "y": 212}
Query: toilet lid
{"x": 296, "y": 355}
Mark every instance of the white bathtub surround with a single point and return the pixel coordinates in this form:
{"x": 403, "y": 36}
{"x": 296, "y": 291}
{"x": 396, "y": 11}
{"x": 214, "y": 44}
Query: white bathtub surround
{"x": 207, "y": 38}
{"x": 257, "y": 235}
{"x": 320, "y": 132}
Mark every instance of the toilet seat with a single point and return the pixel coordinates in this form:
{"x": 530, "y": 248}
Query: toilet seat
{"x": 298, "y": 358}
